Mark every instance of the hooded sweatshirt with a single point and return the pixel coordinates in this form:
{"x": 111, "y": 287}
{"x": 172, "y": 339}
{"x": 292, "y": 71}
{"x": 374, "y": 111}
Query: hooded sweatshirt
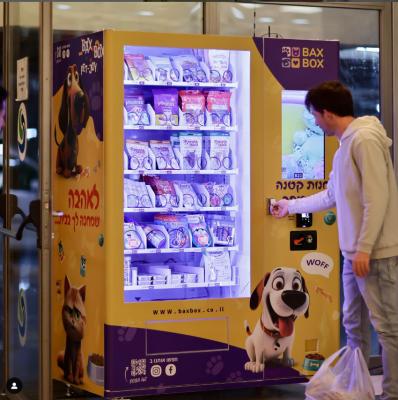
{"x": 363, "y": 187}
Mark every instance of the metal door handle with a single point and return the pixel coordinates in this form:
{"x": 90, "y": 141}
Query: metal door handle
{"x": 33, "y": 218}
{"x": 14, "y": 210}
{"x": 8, "y": 232}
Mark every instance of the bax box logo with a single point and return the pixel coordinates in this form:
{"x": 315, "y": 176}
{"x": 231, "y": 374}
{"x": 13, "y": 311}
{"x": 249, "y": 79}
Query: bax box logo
{"x": 303, "y": 57}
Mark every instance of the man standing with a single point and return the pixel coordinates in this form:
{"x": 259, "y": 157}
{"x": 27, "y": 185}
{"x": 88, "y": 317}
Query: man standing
{"x": 363, "y": 188}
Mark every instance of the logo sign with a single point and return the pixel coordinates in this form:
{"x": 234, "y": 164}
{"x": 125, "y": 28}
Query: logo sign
{"x": 300, "y": 64}
{"x": 317, "y": 264}
{"x": 22, "y": 317}
{"x": 22, "y": 127}
{"x": 311, "y": 57}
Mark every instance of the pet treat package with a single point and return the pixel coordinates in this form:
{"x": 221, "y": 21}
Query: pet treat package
{"x": 166, "y": 194}
{"x": 130, "y": 272}
{"x": 156, "y": 236}
{"x": 138, "y": 67}
{"x": 220, "y": 194}
{"x": 177, "y": 227}
{"x": 218, "y": 104}
{"x": 134, "y": 236}
{"x": 137, "y": 194}
{"x": 165, "y": 104}
{"x": 189, "y": 197}
{"x": 191, "y": 150}
{"x": 217, "y": 147}
{"x": 217, "y": 266}
{"x": 218, "y": 62}
{"x": 136, "y": 110}
{"x": 222, "y": 228}
{"x": 164, "y": 154}
{"x": 189, "y": 67}
{"x": 164, "y": 71}
{"x": 201, "y": 236}
{"x": 139, "y": 155}
{"x": 193, "y": 107}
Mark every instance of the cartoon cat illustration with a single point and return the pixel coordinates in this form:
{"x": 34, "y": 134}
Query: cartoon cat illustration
{"x": 74, "y": 321}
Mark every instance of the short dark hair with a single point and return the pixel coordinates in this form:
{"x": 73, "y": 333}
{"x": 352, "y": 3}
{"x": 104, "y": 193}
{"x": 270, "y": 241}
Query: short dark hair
{"x": 3, "y": 96}
{"x": 332, "y": 96}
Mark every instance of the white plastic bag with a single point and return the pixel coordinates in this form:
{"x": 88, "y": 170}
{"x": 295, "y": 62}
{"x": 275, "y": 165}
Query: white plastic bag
{"x": 347, "y": 379}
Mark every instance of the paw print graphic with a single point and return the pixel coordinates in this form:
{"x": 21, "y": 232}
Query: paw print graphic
{"x": 214, "y": 366}
{"x": 235, "y": 376}
{"x": 126, "y": 334}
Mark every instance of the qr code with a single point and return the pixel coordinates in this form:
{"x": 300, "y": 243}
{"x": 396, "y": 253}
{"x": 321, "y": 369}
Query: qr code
{"x": 138, "y": 367}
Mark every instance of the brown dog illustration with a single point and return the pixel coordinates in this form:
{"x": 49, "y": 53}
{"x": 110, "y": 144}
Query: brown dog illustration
{"x": 72, "y": 118}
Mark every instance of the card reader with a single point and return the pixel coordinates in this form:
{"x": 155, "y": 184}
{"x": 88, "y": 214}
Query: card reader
{"x": 303, "y": 220}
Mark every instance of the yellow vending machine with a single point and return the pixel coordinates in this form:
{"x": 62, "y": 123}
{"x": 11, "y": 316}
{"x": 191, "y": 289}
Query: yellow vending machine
{"x": 169, "y": 275}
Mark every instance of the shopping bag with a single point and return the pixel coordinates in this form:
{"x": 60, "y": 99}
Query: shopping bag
{"x": 344, "y": 378}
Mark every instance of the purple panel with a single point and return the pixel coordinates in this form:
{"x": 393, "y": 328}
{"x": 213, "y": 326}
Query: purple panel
{"x": 130, "y": 370}
{"x": 300, "y": 64}
{"x": 86, "y": 53}
{"x": 159, "y": 343}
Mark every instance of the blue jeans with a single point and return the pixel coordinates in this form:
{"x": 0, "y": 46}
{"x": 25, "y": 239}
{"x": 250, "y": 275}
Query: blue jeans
{"x": 374, "y": 297}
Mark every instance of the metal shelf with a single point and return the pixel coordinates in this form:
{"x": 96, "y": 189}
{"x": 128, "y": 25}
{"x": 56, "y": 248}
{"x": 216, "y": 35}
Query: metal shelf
{"x": 184, "y": 250}
{"x": 223, "y": 85}
{"x": 178, "y": 209}
{"x": 180, "y": 285}
{"x": 209, "y": 128}
{"x": 181, "y": 172}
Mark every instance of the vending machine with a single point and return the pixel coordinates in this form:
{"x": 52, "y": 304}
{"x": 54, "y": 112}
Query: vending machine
{"x": 169, "y": 274}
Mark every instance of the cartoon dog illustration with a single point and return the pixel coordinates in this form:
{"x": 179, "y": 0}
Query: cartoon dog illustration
{"x": 72, "y": 118}
{"x": 284, "y": 297}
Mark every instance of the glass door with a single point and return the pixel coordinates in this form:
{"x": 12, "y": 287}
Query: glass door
{"x": 186, "y": 169}
{"x": 1, "y": 223}
{"x": 21, "y": 168}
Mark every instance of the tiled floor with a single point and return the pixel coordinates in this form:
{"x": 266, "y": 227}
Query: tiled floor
{"x": 278, "y": 392}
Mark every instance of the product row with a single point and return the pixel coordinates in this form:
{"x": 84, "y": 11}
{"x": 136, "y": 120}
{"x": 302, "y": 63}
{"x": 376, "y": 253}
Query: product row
{"x": 154, "y": 191}
{"x": 180, "y": 231}
{"x": 171, "y": 107}
{"x": 184, "y": 150}
{"x": 204, "y": 66}
{"x": 214, "y": 267}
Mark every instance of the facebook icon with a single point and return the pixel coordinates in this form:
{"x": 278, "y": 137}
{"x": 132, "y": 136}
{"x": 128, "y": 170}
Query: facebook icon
{"x": 170, "y": 370}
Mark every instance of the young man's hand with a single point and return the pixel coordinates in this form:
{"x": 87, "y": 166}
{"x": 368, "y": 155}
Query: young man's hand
{"x": 360, "y": 264}
{"x": 280, "y": 208}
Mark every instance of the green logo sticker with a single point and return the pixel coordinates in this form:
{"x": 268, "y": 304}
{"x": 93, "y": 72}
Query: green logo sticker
{"x": 22, "y": 126}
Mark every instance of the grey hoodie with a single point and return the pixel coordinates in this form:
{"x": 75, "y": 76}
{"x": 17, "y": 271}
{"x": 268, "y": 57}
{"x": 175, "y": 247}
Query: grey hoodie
{"x": 363, "y": 187}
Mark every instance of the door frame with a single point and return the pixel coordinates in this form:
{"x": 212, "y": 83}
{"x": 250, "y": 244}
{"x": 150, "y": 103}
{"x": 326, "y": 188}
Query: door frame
{"x": 45, "y": 79}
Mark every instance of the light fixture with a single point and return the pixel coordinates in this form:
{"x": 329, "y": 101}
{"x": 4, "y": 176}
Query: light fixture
{"x": 63, "y": 7}
{"x": 31, "y": 133}
{"x": 13, "y": 162}
{"x": 250, "y": 5}
{"x": 370, "y": 49}
{"x": 265, "y": 20}
{"x": 195, "y": 8}
{"x": 237, "y": 13}
{"x": 145, "y": 13}
{"x": 300, "y": 21}
{"x": 301, "y": 9}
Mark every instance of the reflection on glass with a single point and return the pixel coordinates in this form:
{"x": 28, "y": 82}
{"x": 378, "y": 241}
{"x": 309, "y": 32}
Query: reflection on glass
{"x": 76, "y": 18}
